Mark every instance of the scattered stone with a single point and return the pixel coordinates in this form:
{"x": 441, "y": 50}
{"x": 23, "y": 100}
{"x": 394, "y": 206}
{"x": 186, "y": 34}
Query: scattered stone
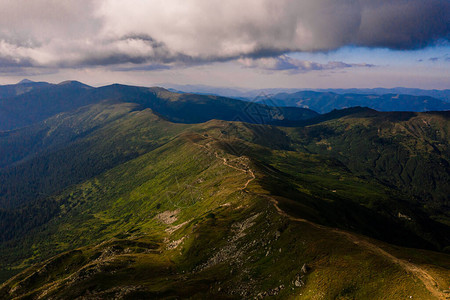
{"x": 277, "y": 235}
{"x": 174, "y": 228}
{"x": 298, "y": 282}
{"x": 168, "y": 217}
{"x": 273, "y": 292}
{"x": 304, "y": 268}
{"x": 402, "y": 216}
{"x": 174, "y": 244}
{"x": 240, "y": 227}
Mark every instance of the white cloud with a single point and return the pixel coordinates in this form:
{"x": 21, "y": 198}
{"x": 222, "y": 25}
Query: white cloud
{"x": 54, "y": 33}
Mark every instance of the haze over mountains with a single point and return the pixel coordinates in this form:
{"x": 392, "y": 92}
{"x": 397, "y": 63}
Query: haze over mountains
{"x": 135, "y": 193}
{"x": 443, "y": 95}
{"x": 325, "y": 100}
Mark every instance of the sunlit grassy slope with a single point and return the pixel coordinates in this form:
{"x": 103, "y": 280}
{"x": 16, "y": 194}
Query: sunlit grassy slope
{"x": 233, "y": 210}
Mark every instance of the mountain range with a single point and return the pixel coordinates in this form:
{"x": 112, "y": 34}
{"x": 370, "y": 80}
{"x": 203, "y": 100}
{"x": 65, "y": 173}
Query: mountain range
{"x": 250, "y": 94}
{"x": 137, "y": 193}
{"x": 44, "y": 100}
{"x": 324, "y": 102}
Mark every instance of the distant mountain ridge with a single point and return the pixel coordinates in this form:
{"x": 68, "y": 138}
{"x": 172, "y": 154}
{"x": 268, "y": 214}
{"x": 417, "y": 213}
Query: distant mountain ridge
{"x": 324, "y": 102}
{"x": 443, "y": 95}
{"x": 37, "y": 104}
{"x": 250, "y": 94}
{"x": 28, "y": 102}
{"x": 24, "y": 86}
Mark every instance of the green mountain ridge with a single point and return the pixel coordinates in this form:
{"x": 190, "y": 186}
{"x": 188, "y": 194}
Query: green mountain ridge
{"x": 41, "y": 103}
{"x": 115, "y": 200}
{"x": 24, "y": 86}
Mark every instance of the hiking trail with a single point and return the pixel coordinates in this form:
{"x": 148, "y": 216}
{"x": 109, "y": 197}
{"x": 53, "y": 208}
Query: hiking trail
{"x": 419, "y": 272}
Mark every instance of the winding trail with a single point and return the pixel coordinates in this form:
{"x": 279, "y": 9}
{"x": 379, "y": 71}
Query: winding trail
{"x": 225, "y": 161}
{"x": 419, "y": 272}
{"x": 246, "y": 171}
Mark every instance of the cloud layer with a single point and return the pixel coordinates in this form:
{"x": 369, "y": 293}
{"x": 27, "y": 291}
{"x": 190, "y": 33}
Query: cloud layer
{"x": 52, "y": 33}
{"x": 293, "y": 66}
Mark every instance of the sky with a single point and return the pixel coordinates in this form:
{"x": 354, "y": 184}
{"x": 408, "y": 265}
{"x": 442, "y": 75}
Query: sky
{"x": 233, "y": 43}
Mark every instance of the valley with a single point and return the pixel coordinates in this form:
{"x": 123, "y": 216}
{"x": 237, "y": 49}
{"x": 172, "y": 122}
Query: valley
{"x": 116, "y": 199}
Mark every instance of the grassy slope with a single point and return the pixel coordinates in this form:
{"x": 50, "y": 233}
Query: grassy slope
{"x": 42, "y": 103}
{"x": 193, "y": 108}
{"x": 76, "y": 146}
{"x": 408, "y": 151}
{"x": 337, "y": 176}
{"x": 36, "y": 105}
{"x": 232, "y": 243}
{"x": 21, "y": 144}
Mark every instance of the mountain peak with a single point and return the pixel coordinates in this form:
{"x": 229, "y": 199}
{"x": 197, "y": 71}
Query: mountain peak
{"x": 73, "y": 83}
{"x": 69, "y": 82}
{"x": 23, "y": 81}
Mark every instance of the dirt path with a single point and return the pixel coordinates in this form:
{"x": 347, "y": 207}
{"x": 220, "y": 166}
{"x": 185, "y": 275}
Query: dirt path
{"x": 419, "y": 272}
{"x": 225, "y": 161}
{"x": 246, "y": 171}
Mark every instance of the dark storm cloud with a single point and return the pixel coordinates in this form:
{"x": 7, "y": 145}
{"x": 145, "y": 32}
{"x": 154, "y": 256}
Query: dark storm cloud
{"x": 50, "y": 33}
{"x": 403, "y": 24}
{"x": 9, "y": 62}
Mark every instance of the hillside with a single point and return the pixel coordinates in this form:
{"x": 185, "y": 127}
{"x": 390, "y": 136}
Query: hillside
{"x": 41, "y": 103}
{"x": 24, "y": 86}
{"x": 134, "y": 206}
{"x": 38, "y": 104}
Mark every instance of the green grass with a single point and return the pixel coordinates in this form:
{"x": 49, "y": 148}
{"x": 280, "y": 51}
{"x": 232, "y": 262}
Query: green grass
{"x": 106, "y": 239}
